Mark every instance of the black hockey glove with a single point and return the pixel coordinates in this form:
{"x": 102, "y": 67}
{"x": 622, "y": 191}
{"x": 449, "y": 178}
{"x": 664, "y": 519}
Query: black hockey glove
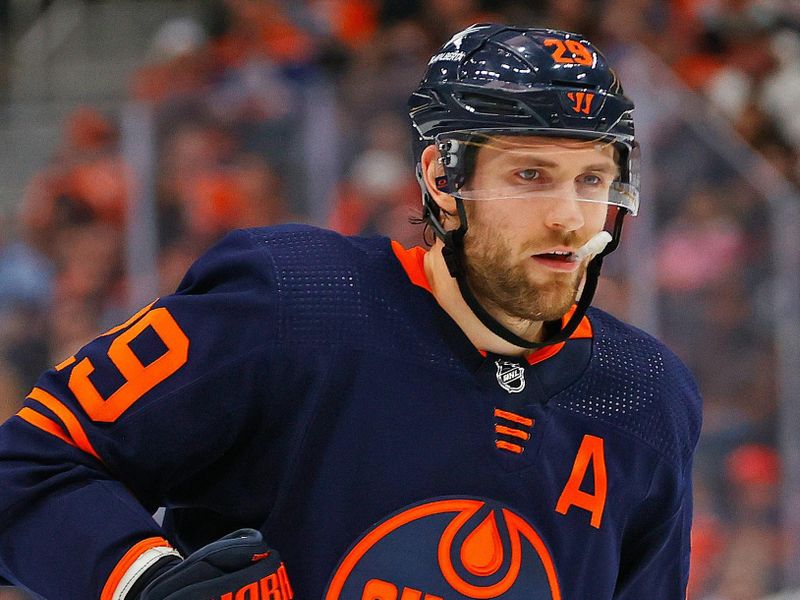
{"x": 240, "y": 565}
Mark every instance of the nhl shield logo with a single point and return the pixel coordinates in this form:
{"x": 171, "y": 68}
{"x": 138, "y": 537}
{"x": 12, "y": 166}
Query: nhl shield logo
{"x": 510, "y": 376}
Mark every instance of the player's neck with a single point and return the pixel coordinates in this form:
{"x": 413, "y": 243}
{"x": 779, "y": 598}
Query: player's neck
{"x": 445, "y": 290}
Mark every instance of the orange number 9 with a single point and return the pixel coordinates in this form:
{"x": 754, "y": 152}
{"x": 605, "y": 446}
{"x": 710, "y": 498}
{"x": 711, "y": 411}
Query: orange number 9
{"x": 139, "y": 379}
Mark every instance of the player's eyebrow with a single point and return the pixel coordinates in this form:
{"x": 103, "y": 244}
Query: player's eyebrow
{"x": 537, "y": 160}
{"x": 605, "y": 167}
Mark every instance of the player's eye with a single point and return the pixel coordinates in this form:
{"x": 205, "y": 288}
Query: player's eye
{"x": 529, "y": 174}
{"x": 591, "y": 180}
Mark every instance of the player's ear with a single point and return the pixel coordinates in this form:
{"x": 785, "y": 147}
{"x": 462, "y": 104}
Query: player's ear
{"x": 431, "y": 170}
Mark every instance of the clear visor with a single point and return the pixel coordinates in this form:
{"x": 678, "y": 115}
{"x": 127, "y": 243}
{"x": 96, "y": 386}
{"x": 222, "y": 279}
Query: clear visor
{"x": 496, "y": 165}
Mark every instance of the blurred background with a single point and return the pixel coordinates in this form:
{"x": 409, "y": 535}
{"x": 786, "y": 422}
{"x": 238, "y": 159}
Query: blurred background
{"x": 135, "y": 133}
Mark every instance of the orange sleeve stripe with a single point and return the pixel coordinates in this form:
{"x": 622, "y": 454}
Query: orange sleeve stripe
{"x": 509, "y": 416}
{"x": 125, "y": 563}
{"x": 74, "y": 429}
{"x": 48, "y": 425}
{"x": 523, "y": 435}
{"x": 507, "y": 446}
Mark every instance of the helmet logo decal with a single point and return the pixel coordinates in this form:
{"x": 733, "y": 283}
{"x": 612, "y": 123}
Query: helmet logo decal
{"x": 450, "y": 56}
{"x": 582, "y": 100}
{"x": 510, "y": 376}
{"x": 458, "y": 38}
{"x": 570, "y": 52}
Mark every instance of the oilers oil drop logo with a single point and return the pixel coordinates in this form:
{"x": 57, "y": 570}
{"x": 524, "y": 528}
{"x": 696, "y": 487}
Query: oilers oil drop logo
{"x": 448, "y": 549}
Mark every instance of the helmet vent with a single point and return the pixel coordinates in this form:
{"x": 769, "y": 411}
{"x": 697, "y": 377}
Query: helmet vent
{"x": 493, "y": 105}
{"x": 577, "y": 85}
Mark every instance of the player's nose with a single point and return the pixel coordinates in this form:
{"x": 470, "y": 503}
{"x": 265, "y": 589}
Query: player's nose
{"x": 564, "y": 212}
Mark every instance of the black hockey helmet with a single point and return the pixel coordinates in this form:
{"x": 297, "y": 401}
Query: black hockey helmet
{"x": 492, "y": 80}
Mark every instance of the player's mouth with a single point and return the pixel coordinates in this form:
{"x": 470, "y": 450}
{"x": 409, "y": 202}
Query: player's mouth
{"x": 557, "y": 260}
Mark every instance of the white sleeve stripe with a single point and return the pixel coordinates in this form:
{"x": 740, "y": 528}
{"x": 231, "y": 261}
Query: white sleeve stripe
{"x": 139, "y": 566}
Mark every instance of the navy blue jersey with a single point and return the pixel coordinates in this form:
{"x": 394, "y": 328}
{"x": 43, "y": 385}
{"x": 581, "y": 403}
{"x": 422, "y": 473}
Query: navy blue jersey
{"x": 310, "y": 386}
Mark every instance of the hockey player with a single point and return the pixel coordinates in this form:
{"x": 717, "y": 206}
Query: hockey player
{"x": 399, "y": 424}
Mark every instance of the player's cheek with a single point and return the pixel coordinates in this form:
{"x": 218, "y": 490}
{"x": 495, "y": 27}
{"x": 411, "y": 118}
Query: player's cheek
{"x": 594, "y": 216}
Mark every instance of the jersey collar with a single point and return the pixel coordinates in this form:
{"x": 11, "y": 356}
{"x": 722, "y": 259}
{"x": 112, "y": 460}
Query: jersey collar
{"x": 413, "y": 263}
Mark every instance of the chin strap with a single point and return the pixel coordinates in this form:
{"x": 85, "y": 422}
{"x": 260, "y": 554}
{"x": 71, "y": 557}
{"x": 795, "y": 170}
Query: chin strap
{"x": 453, "y": 253}
{"x": 592, "y": 277}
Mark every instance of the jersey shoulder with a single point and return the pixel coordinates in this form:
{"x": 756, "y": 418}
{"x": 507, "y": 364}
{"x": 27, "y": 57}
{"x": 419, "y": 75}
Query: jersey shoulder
{"x": 635, "y": 383}
{"x": 324, "y": 268}
{"x": 290, "y": 261}
{"x": 267, "y": 251}
{"x": 353, "y": 293}
{"x": 331, "y": 286}
{"x": 305, "y": 248}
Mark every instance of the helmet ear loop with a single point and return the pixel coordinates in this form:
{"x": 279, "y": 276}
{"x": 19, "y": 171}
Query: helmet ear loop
{"x": 453, "y": 249}
{"x": 453, "y": 239}
{"x": 430, "y": 210}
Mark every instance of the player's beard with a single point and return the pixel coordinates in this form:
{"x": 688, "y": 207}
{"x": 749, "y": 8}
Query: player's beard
{"x": 501, "y": 284}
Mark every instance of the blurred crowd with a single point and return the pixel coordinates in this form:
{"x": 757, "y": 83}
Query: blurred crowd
{"x": 231, "y": 97}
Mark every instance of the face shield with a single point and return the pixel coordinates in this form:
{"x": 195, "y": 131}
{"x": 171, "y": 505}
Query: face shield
{"x": 531, "y": 165}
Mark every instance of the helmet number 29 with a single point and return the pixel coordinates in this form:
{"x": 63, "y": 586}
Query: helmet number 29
{"x": 570, "y": 52}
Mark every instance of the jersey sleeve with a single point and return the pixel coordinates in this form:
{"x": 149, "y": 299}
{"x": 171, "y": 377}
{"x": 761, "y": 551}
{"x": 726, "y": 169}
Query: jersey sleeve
{"x": 657, "y": 540}
{"x": 138, "y": 414}
{"x": 655, "y": 558}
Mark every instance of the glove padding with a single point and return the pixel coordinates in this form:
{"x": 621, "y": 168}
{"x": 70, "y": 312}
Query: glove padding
{"x": 240, "y": 565}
